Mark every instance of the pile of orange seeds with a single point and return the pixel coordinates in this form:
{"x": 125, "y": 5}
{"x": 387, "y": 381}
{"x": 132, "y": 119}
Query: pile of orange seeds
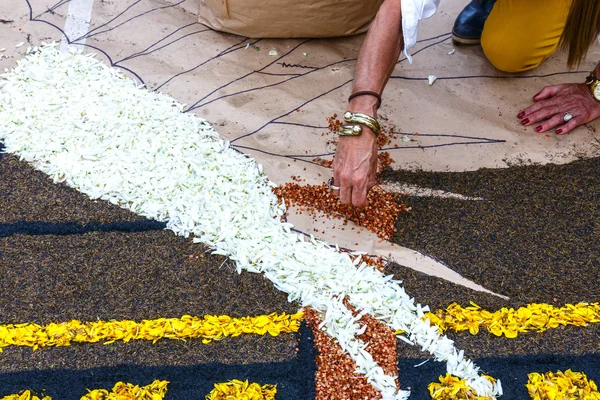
{"x": 379, "y": 216}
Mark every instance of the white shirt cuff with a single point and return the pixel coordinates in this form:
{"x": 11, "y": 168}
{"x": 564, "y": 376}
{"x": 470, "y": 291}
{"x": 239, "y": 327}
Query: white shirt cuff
{"x": 412, "y": 12}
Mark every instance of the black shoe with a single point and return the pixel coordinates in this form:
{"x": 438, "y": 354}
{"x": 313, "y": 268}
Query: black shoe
{"x": 469, "y": 23}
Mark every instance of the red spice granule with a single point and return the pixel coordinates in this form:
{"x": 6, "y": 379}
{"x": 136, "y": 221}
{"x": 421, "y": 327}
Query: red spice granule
{"x": 333, "y": 123}
{"x": 379, "y": 216}
{"x": 386, "y": 135}
{"x": 322, "y": 162}
{"x": 383, "y": 161}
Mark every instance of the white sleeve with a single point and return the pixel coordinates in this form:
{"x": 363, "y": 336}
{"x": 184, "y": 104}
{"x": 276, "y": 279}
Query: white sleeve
{"x": 412, "y": 12}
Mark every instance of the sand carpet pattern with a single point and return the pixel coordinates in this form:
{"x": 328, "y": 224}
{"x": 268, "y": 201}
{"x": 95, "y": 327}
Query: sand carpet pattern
{"x": 63, "y": 256}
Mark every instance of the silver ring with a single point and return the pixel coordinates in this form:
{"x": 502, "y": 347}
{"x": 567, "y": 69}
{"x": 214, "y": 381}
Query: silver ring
{"x": 567, "y": 117}
{"x": 331, "y": 186}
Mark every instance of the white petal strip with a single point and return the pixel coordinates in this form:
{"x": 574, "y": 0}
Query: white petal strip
{"x": 87, "y": 125}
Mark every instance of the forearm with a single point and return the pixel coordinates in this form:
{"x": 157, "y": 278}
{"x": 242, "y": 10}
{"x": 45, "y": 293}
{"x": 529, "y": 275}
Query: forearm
{"x": 355, "y": 162}
{"x": 378, "y": 56}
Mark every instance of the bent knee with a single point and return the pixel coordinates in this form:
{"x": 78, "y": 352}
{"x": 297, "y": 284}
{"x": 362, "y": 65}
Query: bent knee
{"x": 508, "y": 58}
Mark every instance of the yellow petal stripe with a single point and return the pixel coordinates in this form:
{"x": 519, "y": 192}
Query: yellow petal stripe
{"x": 234, "y": 390}
{"x": 510, "y": 322}
{"x": 121, "y": 391}
{"x": 26, "y": 395}
{"x": 451, "y": 388}
{"x": 569, "y": 385}
{"x": 127, "y": 391}
{"x": 187, "y": 327}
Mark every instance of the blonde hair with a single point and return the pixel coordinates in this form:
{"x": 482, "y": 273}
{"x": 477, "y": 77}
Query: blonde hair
{"x": 581, "y": 29}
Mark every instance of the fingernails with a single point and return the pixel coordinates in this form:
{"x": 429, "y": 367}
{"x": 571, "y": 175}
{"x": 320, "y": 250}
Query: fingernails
{"x": 559, "y": 131}
{"x": 521, "y": 114}
{"x": 538, "y": 128}
{"x": 525, "y": 121}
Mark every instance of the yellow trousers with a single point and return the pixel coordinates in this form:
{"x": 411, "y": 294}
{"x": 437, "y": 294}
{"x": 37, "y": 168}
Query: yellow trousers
{"x": 520, "y": 34}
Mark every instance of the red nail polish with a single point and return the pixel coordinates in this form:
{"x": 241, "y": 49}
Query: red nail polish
{"x": 525, "y": 121}
{"x": 559, "y": 131}
{"x": 538, "y": 128}
{"x": 521, "y": 114}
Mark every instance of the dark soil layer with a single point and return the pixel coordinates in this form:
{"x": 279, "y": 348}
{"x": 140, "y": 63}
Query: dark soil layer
{"x": 240, "y": 350}
{"x": 64, "y": 256}
{"x": 438, "y": 293}
{"x": 29, "y": 195}
{"x": 117, "y": 276}
{"x": 131, "y": 276}
{"x": 535, "y": 238}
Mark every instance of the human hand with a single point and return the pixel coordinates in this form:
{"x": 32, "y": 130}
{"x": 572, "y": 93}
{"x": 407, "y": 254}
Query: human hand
{"x": 355, "y": 166}
{"x": 553, "y": 102}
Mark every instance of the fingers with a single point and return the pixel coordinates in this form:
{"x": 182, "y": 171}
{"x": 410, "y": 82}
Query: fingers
{"x": 540, "y": 114}
{"x": 547, "y": 92}
{"x": 545, "y": 98}
{"x": 526, "y": 114}
{"x": 354, "y": 167}
{"x": 343, "y": 186}
{"x": 359, "y": 197}
{"x": 569, "y": 126}
{"x": 352, "y": 189}
{"x": 345, "y": 193}
{"x": 354, "y": 193}
{"x": 554, "y": 119}
{"x": 553, "y": 122}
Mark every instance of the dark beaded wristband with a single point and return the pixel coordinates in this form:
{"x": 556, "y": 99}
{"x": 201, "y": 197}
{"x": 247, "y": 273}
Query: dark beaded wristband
{"x": 366, "y": 92}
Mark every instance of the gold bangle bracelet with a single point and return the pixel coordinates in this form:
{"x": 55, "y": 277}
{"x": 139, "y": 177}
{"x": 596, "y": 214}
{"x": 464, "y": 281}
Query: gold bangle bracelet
{"x": 349, "y": 130}
{"x": 363, "y": 119}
